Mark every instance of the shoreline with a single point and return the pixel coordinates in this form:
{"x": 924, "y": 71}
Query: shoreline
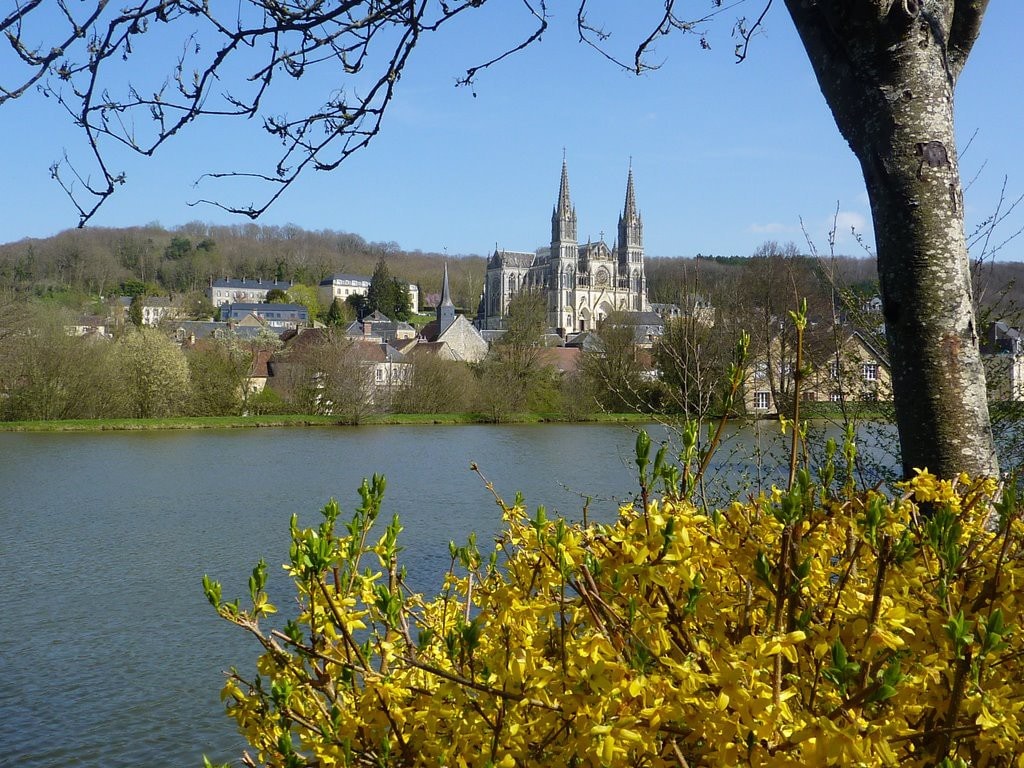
{"x": 254, "y": 422}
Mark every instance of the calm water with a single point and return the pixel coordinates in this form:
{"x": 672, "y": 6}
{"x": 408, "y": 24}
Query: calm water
{"x": 110, "y": 654}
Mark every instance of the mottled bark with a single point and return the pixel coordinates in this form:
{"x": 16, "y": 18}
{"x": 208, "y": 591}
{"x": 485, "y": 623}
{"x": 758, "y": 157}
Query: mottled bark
{"x": 888, "y": 69}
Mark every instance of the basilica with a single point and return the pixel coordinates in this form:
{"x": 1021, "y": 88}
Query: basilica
{"x": 582, "y": 283}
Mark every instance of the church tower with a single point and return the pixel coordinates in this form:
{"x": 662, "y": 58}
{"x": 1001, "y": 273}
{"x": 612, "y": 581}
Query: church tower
{"x": 631, "y": 248}
{"x": 564, "y": 255}
{"x": 445, "y": 307}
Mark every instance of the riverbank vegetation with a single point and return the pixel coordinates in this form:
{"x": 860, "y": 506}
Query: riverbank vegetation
{"x": 818, "y": 624}
{"x": 298, "y": 420}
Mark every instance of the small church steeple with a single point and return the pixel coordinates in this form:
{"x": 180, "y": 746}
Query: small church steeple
{"x": 445, "y": 307}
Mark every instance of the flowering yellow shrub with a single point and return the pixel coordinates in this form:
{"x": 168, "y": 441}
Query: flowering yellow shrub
{"x": 804, "y": 627}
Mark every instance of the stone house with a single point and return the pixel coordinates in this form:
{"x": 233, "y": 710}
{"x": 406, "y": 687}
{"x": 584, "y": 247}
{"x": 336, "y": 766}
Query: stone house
{"x": 343, "y": 285}
{"x": 155, "y": 309}
{"x": 278, "y": 316}
{"x": 380, "y": 328}
{"x": 232, "y": 290}
{"x": 1002, "y": 352}
{"x": 855, "y": 372}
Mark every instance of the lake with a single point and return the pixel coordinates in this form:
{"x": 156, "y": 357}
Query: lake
{"x": 111, "y": 655}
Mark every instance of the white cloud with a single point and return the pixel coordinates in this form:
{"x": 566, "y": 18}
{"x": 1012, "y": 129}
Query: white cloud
{"x": 772, "y": 228}
{"x": 851, "y": 220}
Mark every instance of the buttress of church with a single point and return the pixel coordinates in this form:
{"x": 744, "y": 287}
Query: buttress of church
{"x": 582, "y": 283}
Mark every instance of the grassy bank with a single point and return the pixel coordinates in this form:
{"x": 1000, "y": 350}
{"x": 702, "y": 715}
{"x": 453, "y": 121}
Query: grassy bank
{"x": 294, "y": 420}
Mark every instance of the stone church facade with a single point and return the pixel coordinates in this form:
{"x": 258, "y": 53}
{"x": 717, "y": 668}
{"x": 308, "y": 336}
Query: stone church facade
{"x": 583, "y": 283}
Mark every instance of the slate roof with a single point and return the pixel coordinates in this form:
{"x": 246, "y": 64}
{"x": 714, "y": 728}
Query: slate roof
{"x": 598, "y": 250}
{"x": 429, "y": 331}
{"x": 232, "y": 282}
{"x": 521, "y": 259}
{"x": 586, "y": 340}
{"x": 1001, "y": 337}
{"x": 262, "y": 307}
{"x": 380, "y": 325}
{"x": 202, "y": 329}
{"x": 147, "y": 301}
{"x": 345, "y": 278}
{"x": 646, "y": 318}
{"x": 666, "y": 310}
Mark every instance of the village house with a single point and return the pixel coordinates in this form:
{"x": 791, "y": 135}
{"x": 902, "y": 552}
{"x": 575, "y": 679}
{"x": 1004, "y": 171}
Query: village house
{"x": 378, "y": 327}
{"x": 856, "y": 372}
{"x": 368, "y": 372}
{"x": 232, "y": 290}
{"x": 155, "y": 309}
{"x": 87, "y": 325}
{"x": 342, "y": 285}
{"x": 279, "y": 316}
{"x": 1002, "y": 352}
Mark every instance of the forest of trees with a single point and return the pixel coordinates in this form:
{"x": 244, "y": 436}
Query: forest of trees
{"x": 183, "y": 260}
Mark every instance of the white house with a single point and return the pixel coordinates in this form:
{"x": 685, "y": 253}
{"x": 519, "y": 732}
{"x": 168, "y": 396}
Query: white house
{"x": 341, "y": 286}
{"x": 232, "y": 291}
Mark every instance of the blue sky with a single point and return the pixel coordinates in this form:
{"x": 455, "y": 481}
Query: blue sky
{"x": 724, "y": 156}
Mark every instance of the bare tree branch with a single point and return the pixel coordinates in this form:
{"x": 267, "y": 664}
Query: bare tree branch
{"x": 746, "y": 33}
{"x": 963, "y": 31}
{"x": 596, "y": 37}
{"x": 84, "y": 62}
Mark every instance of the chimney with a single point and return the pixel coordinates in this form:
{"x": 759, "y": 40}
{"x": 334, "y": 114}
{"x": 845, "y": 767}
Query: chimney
{"x": 366, "y": 327}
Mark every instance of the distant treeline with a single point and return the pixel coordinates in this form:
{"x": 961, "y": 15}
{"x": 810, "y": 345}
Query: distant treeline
{"x": 182, "y": 260}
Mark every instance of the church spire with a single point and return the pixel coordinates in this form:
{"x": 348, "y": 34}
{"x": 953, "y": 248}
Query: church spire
{"x": 564, "y": 203}
{"x": 631, "y": 230}
{"x": 446, "y": 294}
{"x": 629, "y": 212}
{"x": 445, "y": 307}
{"x": 563, "y": 219}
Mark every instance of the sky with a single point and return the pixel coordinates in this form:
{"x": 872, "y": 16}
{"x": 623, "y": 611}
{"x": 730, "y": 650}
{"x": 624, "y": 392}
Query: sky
{"x": 725, "y": 156}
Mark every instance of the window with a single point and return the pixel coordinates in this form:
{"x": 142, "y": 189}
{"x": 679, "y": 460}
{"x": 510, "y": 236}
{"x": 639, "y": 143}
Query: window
{"x": 870, "y": 371}
{"x": 833, "y": 370}
{"x": 761, "y": 371}
{"x": 380, "y": 375}
{"x": 836, "y": 397}
{"x": 762, "y": 400}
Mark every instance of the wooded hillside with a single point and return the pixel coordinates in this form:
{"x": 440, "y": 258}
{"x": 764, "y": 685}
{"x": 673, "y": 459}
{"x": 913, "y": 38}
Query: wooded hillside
{"x": 184, "y": 259}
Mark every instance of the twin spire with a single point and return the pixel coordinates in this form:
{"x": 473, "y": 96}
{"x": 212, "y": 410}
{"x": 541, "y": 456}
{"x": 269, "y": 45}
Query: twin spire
{"x": 563, "y": 218}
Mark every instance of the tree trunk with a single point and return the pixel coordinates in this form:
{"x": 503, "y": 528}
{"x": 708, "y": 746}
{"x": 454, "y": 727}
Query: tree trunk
{"x": 888, "y": 69}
